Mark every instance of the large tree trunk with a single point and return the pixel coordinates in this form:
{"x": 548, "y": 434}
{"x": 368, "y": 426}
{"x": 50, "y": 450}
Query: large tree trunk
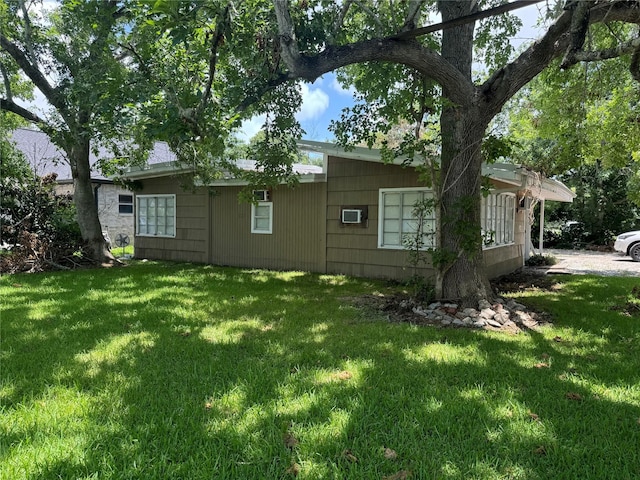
{"x": 87, "y": 210}
{"x": 460, "y": 273}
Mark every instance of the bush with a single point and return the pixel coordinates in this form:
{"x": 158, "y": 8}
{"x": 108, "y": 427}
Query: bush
{"x": 538, "y": 260}
{"x": 39, "y": 226}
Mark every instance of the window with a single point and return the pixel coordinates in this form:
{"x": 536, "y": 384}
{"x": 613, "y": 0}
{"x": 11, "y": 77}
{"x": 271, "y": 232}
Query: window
{"x": 397, "y": 220}
{"x": 156, "y": 215}
{"x": 261, "y": 217}
{"x": 498, "y": 219}
{"x": 125, "y": 204}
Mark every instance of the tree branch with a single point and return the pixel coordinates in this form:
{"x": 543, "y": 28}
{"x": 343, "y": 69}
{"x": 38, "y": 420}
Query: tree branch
{"x": 7, "y": 81}
{"x": 337, "y": 25}
{"x": 412, "y": 14}
{"x": 218, "y": 37}
{"x": 372, "y": 15}
{"x": 11, "y": 106}
{"x": 30, "y": 70}
{"x": 507, "y": 81}
{"x": 597, "y": 55}
{"x": 507, "y": 7}
{"x": 390, "y": 49}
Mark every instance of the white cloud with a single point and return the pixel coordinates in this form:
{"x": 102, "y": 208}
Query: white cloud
{"x": 341, "y": 90}
{"x": 314, "y": 103}
{"x": 250, "y": 127}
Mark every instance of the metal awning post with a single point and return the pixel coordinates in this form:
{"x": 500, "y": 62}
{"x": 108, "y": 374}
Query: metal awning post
{"x": 540, "y": 240}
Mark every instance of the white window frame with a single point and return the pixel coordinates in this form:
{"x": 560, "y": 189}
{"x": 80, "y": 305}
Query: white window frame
{"x": 381, "y": 216}
{"x": 254, "y": 228}
{"x": 498, "y": 216}
{"x": 166, "y": 217}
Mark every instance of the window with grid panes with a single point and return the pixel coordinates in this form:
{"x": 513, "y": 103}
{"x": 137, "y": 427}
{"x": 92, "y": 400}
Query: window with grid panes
{"x": 397, "y": 219}
{"x": 498, "y": 219}
{"x": 156, "y": 215}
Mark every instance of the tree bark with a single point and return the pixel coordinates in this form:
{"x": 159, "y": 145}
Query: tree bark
{"x": 84, "y": 199}
{"x": 460, "y": 273}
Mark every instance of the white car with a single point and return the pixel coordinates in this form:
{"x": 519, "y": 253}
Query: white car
{"x": 629, "y": 244}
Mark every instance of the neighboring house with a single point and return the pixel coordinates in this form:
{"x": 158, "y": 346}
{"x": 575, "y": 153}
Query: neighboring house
{"x": 348, "y": 218}
{"x": 115, "y": 203}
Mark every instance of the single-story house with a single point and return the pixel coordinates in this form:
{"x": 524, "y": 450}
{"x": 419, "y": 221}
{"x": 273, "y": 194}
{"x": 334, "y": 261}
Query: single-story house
{"x": 348, "y": 217}
{"x": 114, "y": 202}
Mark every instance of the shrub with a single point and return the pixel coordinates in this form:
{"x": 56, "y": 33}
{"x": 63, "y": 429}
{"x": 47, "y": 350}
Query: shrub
{"x": 539, "y": 260}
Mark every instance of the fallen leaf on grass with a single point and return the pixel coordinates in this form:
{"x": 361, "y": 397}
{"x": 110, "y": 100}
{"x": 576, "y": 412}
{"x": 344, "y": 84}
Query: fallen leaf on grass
{"x": 348, "y": 454}
{"x": 344, "y": 375}
{"x": 541, "y": 365}
{"x": 390, "y": 454}
{"x": 557, "y": 339}
{"x": 17, "y": 285}
{"x": 401, "y": 475}
{"x": 289, "y": 440}
{"x": 534, "y": 416}
{"x": 574, "y": 396}
{"x": 541, "y": 450}
{"x": 294, "y": 470}
{"x": 208, "y": 405}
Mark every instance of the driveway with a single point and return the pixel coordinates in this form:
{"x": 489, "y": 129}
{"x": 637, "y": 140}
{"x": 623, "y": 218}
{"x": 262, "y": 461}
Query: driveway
{"x": 597, "y": 263}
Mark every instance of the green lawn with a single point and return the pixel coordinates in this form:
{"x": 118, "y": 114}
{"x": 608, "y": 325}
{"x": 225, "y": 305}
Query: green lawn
{"x": 174, "y": 371}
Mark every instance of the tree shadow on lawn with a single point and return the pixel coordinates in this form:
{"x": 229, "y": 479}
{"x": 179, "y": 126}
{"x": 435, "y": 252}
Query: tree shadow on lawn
{"x": 265, "y": 376}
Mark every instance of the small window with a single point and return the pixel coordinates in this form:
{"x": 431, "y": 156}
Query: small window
{"x": 262, "y": 217}
{"x": 125, "y": 204}
{"x": 156, "y": 215}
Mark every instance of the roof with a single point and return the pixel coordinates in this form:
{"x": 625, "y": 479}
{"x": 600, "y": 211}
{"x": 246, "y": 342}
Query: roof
{"x": 306, "y": 173}
{"x": 521, "y": 178}
{"x": 44, "y": 157}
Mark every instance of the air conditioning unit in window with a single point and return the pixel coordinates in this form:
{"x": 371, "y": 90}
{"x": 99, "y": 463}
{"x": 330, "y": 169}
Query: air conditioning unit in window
{"x": 261, "y": 195}
{"x": 351, "y": 215}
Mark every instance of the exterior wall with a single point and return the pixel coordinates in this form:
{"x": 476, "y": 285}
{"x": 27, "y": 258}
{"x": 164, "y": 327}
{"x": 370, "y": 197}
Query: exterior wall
{"x": 191, "y": 243}
{"x": 298, "y": 238}
{"x": 353, "y": 249}
{"x": 110, "y": 218}
{"x": 215, "y": 227}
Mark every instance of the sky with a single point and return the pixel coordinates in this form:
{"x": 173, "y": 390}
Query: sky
{"x": 324, "y": 100}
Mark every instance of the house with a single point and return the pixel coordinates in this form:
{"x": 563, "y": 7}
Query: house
{"x": 350, "y": 217}
{"x": 115, "y": 203}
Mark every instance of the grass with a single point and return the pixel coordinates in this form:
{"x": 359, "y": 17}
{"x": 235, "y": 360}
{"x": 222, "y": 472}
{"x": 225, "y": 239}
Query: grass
{"x": 174, "y": 371}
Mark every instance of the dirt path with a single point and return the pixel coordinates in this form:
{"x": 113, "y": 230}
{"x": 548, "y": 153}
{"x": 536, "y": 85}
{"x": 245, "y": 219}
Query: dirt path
{"x": 597, "y": 263}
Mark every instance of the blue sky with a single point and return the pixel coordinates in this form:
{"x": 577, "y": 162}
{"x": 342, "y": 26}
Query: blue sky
{"x": 324, "y": 100}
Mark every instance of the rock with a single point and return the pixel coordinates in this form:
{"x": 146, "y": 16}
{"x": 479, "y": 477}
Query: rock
{"x": 446, "y": 321}
{"x": 482, "y": 304}
{"x": 450, "y": 305}
{"x": 420, "y": 311}
{"x": 470, "y": 312}
{"x": 434, "y": 306}
{"x": 493, "y": 323}
{"x": 479, "y": 323}
{"x": 458, "y": 322}
{"x": 467, "y": 320}
{"x": 487, "y": 313}
{"x": 502, "y": 317}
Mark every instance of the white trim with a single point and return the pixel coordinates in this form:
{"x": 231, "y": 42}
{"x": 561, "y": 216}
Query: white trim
{"x": 254, "y": 229}
{"x": 137, "y": 210}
